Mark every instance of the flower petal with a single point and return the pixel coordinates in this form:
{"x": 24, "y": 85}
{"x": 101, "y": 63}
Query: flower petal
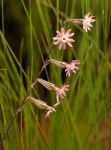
{"x": 64, "y": 45}
{"x": 62, "y": 30}
{"x": 69, "y": 44}
{"x": 60, "y": 46}
{"x": 68, "y": 31}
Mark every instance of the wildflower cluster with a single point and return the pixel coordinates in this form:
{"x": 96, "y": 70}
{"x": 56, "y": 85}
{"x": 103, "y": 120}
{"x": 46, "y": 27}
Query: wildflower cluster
{"x": 62, "y": 38}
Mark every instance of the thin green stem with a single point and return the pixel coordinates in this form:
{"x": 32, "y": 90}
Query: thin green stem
{"x": 2, "y": 11}
{"x": 31, "y": 38}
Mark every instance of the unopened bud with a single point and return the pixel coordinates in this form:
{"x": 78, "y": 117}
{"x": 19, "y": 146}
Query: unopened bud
{"x": 46, "y": 84}
{"x": 74, "y": 21}
{"x": 40, "y": 104}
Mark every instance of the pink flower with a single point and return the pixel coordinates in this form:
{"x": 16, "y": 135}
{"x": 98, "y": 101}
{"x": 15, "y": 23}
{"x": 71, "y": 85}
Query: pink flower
{"x": 60, "y": 92}
{"x": 72, "y": 67}
{"x": 63, "y": 38}
{"x": 87, "y": 22}
{"x": 50, "y": 111}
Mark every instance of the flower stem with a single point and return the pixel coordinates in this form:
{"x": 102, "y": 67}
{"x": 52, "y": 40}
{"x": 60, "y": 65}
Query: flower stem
{"x": 26, "y": 96}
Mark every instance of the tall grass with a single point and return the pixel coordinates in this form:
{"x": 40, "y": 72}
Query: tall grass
{"x": 82, "y": 121}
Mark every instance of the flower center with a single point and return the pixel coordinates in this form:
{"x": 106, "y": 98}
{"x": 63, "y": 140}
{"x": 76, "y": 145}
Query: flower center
{"x": 72, "y": 66}
{"x": 88, "y": 21}
{"x": 64, "y": 39}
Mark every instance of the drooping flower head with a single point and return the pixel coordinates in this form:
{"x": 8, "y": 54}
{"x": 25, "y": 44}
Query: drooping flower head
{"x": 40, "y": 103}
{"x": 69, "y": 67}
{"x": 72, "y": 67}
{"x": 63, "y": 38}
{"x": 87, "y": 22}
{"x": 60, "y": 92}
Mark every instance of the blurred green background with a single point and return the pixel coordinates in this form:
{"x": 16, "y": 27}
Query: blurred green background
{"x": 83, "y": 120}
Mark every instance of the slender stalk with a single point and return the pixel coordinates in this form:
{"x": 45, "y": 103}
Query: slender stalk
{"x": 16, "y": 113}
{"x": 2, "y": 12}
{"x": 26, "y": 96}
{"x": 74, "y": 21}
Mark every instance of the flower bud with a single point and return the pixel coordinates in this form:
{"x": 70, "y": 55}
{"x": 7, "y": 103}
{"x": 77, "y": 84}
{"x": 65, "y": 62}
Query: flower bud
{"x": 41, "y": 104}
{"x": 46, "y": 84}
{"x": 61, "y": 64}
{"x": 74, "y": 21}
